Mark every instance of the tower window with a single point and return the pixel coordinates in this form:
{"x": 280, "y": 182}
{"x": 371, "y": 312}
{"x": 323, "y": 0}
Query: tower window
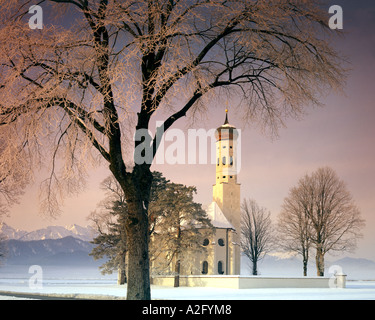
{"x": 231, "y": 160}
{"x": 221, "y": 242}
{"x": 204, "y": 267}
{"x": 224, "y": 160}
{"x": 220, "y": 269}
{"x": 218, "y": 161}
{"x": 206, "y": 242}
{"x": 224, "y": 177}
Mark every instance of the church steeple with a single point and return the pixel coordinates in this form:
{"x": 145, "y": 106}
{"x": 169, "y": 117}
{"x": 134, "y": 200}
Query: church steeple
{"x": 226, "y": 190}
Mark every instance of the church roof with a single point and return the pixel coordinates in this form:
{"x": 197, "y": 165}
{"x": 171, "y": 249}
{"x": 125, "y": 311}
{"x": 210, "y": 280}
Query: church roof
{"x": 217, "y": 216}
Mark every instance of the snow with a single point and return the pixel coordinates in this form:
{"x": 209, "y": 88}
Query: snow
{"x": 357, "y": 290}
{"x": 217, "y": 217}
{"x": 91, "y": 284}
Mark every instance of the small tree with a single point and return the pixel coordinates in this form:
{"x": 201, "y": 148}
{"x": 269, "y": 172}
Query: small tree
{"x": 111, "y": 239}
{"x": 184, "y": 227}
{"x": 294, "y": 228}
{"x": 110, "y": 221}
{"x": 256, "y": 232}
{"x": 334, "y": 218}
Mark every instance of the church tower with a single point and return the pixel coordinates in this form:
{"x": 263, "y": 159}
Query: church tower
{"x": 226, "y": 190}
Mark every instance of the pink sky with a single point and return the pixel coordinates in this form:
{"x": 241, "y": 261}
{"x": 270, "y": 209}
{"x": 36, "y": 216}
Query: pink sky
{"x": 340, "y": 135}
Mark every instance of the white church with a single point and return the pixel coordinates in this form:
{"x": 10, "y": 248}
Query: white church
{"x": 223, "y": 251}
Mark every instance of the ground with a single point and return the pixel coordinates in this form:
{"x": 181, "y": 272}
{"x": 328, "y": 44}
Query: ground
{"x": 356, "y": 290}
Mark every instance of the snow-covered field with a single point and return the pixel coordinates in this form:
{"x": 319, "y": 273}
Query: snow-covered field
{"x": 81, "y": 283}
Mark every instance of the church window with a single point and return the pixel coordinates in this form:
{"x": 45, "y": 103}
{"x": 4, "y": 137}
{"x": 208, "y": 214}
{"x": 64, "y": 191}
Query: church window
{"x": 224, "y": 160}
{"x": 218, "y": 161}
{"x": 206, "y": 242}
{"x": 220, "y": 269}
{"x": 221, "y": 242}
{"x": 231, "y": 161}
{"x": 205, "y": 267}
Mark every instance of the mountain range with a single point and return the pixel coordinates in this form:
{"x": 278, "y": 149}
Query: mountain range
{"x": 51, "y": 232}
{"x": 53, "y": 245}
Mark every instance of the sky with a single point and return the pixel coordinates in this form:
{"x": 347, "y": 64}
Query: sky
{"x": 340, "y": 135}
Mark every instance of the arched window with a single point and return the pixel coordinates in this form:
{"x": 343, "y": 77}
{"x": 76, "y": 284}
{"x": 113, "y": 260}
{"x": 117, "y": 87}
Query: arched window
{"x": 220, "y": 269}
{"x": 205, "y": 267}
{"x": 206, "y": 242}
{"x": 224, "y": 160}
{"x": 218, "y": 161}
{"x": 221, "y": 242}
{"x": 231, "y": 161}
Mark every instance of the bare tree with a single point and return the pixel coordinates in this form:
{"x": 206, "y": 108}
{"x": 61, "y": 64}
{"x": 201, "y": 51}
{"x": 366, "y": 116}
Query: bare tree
{"x": 335, "y": 220}
{"x": 75, "y": 92}
{"x": 294, "y": 228}
{"x": 256, "y": 232}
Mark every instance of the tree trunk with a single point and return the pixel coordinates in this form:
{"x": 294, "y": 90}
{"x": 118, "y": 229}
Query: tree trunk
{"x": 304, "y": 267}
{"x": 305, "y": 257}
{"x": 137, "y": 193}
{"x": 319, "y": 261}
{"x": 121, "y": 276}
{"x": 255, "y": 268}
{"x": 177, "y": 274}
{"x": 138, "y": 264}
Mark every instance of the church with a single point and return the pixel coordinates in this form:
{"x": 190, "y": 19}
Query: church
{"x": 221, "y": 255}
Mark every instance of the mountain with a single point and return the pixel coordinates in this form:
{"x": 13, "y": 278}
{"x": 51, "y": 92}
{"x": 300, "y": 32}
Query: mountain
{"x": 59, "y": 252}
{"x": 10, "y": 233}
{"x": 355, "y": 262}
{"x": 51, "y": 232}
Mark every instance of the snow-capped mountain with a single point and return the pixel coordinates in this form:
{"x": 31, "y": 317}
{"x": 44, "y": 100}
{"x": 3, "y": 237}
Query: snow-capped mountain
{"x": 51, "y": 232}
{"x": 10, "y": 233}
{"x": 67, "y": 251}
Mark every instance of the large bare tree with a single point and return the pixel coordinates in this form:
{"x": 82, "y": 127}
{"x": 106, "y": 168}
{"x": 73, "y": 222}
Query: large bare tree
{"x": 329, "y": 217}
{"x": 75, "y": 92}
{"x": 256, "y": 232}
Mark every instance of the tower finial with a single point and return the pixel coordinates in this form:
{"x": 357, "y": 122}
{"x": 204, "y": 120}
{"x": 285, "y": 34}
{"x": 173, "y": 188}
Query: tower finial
{"x": 226, "y": 114}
